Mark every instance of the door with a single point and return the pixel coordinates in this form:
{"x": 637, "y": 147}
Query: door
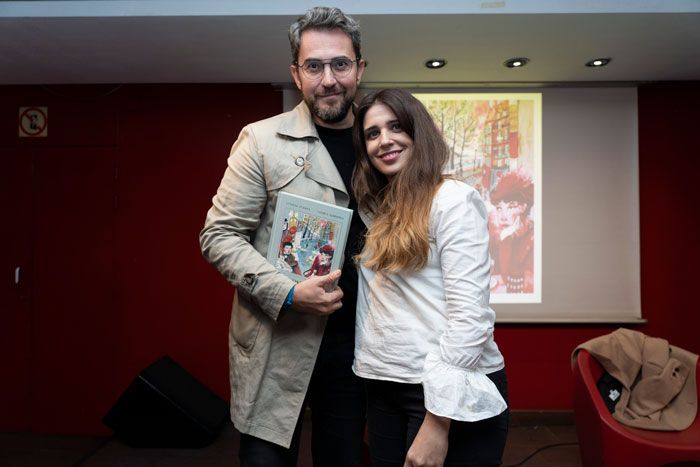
{"x": 15, "y": 288}
{"x": 74, "y": 289}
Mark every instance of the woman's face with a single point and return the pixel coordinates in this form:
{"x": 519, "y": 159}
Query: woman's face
{"x": 508, "y": 212}
{"x": 388, "y": 146}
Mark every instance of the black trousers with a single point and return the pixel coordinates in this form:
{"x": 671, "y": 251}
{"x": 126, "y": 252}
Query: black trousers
{"x": 337, "y": 400}
{"x": 395, "y": 413}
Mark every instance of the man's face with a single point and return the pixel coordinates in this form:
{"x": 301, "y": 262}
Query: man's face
{"x": 329, "y": 97}
{"x": 287, "y": 249}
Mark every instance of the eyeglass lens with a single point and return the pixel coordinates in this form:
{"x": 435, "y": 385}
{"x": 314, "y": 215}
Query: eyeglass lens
{"x": 340, "y": 66}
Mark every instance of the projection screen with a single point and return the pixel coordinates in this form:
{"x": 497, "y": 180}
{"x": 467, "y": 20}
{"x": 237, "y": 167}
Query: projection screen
{"x": 584, "y": 214}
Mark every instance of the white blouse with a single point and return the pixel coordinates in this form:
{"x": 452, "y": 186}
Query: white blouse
{"x": 434, "y": 326}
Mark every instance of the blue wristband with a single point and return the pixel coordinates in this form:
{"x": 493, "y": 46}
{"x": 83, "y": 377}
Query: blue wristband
{"x": 288, "y": 301}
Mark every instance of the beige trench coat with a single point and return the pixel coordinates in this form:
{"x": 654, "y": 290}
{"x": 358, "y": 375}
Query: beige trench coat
{"x": 271, "y": 356}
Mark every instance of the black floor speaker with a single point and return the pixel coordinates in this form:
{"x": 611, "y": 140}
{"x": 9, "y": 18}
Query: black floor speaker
{"x": 166, "y": 407}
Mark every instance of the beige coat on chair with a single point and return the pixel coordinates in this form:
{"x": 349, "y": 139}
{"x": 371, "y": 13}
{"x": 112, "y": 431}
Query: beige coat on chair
{"x": 271, "y": 356}
{"x": 658, "y": 379}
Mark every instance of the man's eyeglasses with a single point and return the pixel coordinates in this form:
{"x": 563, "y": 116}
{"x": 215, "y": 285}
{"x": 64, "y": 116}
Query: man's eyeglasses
{"x": 340, "y": 66}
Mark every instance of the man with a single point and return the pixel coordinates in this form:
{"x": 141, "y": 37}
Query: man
{"x": 292, "y": 344}
{"x": 288, "y": 259}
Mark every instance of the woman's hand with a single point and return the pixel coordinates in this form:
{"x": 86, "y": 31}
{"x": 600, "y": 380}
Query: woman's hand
{"x": 430, "y": 446}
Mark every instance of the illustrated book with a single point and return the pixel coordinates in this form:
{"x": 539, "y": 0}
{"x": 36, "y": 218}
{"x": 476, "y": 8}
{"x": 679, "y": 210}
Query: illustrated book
{"x": 308, "y": 237}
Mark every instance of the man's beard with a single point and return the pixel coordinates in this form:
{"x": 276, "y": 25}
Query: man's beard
{"x": 333, "y": 114}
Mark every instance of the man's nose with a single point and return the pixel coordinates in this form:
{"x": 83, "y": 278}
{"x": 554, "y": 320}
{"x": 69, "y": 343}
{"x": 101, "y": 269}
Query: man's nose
{"x": 328, "y": 78}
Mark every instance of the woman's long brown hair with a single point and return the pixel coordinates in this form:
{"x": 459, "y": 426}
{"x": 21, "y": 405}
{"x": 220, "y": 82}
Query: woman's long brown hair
{"x": 398, "y": 237}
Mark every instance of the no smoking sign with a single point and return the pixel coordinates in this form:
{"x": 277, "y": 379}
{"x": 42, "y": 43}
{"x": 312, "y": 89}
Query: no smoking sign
{"x": 33, "y": 122}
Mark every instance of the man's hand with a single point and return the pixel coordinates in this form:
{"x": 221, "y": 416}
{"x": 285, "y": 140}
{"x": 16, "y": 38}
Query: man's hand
{"x": 429, "y": 449}
{"x": 310, "y": 295}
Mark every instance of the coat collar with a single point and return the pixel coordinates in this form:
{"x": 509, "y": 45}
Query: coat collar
{"x": 298, "y": 123}
{"x": 320, "y": 167}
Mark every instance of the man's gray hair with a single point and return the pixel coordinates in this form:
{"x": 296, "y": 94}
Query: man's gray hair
{"x": 324, "y": 18}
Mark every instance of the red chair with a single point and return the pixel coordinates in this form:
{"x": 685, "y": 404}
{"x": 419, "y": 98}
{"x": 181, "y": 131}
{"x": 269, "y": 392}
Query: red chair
{"x": 606, "y": 442}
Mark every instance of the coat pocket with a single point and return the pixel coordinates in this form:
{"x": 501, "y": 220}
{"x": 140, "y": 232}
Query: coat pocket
{"x": 245, "y": 327}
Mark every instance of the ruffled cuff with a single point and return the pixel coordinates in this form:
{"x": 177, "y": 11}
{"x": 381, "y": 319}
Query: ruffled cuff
{"x": 459, "y": 393}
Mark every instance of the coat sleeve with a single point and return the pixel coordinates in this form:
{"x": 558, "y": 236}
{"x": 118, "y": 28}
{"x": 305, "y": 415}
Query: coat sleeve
{"x": 230, "y": 226}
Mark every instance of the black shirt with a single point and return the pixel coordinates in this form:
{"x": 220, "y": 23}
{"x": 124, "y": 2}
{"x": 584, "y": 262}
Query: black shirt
{"x": 339, "y": 146}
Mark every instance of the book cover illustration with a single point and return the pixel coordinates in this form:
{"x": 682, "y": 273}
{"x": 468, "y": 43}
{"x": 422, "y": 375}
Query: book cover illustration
{"x": 308, "y": 237}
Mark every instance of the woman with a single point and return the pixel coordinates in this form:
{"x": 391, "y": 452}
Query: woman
{"x": 424, "y": 343}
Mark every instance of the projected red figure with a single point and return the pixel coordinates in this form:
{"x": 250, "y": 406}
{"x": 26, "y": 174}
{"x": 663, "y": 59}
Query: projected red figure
{"x": 512, "y": 234}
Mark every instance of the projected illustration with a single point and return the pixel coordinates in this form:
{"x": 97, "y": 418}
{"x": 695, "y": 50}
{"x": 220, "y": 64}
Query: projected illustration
{"x": 495, "y": 142}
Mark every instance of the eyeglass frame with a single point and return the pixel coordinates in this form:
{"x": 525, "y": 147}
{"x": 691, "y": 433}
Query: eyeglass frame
{"x": 324, "y": 63}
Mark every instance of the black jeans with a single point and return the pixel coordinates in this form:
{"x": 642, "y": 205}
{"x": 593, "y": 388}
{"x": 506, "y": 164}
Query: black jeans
{"x": 395, "y": 413}
{"x": 337, "y": 400}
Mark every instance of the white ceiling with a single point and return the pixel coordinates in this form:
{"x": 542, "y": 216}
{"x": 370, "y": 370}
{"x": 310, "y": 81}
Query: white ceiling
{"x": 218, "y": 41}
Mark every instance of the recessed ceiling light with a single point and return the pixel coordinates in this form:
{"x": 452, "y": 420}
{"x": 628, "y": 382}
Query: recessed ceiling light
{"x": 436, "y": 63}
{"x": 517, "y": 62}
{"x": 598, "y": 62}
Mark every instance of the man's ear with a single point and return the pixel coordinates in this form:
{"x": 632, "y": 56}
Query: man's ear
{"x": 295, "y": 74}
{"x": 360, "y": 70}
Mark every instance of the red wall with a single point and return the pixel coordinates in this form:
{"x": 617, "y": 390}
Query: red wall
{"x": 103, "y": 217}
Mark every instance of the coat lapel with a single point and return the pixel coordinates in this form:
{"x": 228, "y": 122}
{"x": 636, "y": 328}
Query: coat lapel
{"x": 318, "y": 163}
